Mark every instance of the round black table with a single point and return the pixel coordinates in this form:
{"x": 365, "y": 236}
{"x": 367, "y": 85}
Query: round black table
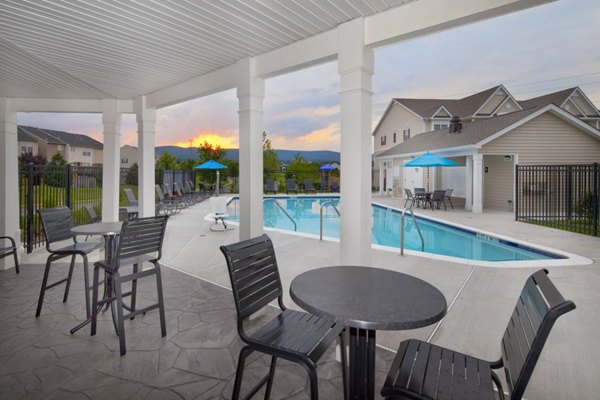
{"x": 109, "y": 230}
{"x": 367, "y": 299}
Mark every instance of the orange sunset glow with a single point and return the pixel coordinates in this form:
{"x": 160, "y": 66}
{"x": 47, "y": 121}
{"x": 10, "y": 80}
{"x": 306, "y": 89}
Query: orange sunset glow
{"x": 215, "y": 139}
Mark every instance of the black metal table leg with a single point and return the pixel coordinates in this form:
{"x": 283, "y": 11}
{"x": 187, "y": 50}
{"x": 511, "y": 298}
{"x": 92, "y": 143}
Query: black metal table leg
{"x": 362, "y": 364}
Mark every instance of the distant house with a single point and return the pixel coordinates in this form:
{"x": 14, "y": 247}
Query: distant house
{"x": 75, "y": 148}
{"x": 495, "y": 132}
{"x": 129, "y": 156}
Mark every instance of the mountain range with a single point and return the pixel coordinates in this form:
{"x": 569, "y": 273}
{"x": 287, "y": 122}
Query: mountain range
{"x": 320, "y": 156}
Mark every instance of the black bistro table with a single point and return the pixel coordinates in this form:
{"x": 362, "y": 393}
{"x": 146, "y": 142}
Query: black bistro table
{"x": 365, "y": 300}
{"x": 110, "y": 231}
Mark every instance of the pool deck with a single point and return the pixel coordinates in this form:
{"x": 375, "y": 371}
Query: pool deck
{"x": 481, "y": 298}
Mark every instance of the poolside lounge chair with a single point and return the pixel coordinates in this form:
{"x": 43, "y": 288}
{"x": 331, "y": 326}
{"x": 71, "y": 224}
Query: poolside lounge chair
{"x": 218, "y": 208}
{"x": 91, "y": 213}
{"x": 425, "y": 371}
{"x": 291, "y": 186}
{"x": 295, "y": 336}
{"x": 335, "y": 187}
{"x": 409, "y": 197}
{"x": 130, "y": 197}
{"x": 167, "y": 206}
{"x": 8, "y": 250}
{"x": 270, "y": 186}
{"x": 448, "y": 196}
{"x": 308, "y": 186}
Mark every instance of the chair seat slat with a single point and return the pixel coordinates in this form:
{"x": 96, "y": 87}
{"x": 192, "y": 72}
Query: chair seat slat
{"x": 419, "y": 368}
{"x": 459, "y": 382}
{"x": 430, "y": 382}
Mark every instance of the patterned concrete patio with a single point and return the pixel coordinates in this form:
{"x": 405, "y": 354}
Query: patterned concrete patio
{"x": 39, "y": 359}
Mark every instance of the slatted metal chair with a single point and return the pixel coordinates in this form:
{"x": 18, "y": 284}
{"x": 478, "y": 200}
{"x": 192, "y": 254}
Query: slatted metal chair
{"x": 9, "y": 250}
{"x": 425, "y": 371}
{"x": 448, "y": 196}
{"x": 292, "y": 335}
{"x": 57, "y": 224}
{"x": 130, "y": 197}
{"x": 308, "y": 186}
{"x": 270, "y": 186}
{"x": 291, "y": 187}
{"x": 409, "y": 197}
{"x": 171, "y": 206}
{"x": 140, "y": 241}
{"x": 436, "y": 200}
{"x": 91, "y": 213}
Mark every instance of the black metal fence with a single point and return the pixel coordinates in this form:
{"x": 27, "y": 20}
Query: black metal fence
{"x": 561, "y": 196}
{"x": 47, "y": 186}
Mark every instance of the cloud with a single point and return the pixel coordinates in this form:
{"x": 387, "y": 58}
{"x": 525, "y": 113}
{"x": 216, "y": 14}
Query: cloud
{"x": 327, "y": 138}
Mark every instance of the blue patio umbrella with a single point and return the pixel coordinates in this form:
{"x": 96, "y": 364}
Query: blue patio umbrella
{"x": 212, "y": 164}
{"x": 430, "y": 160}
{"x": 327, "y": 167}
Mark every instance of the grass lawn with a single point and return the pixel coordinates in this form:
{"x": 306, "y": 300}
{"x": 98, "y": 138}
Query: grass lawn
{"x": 577, "y": 226}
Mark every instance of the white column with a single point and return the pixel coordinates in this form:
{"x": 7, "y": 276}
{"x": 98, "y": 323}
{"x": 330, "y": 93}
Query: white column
{"x": 111, "y": 121}
{"x": 9, "y": 195}
{"x": 477, "y": 183}
{"x": 355, "y": 66}
{"x": 250, "y": 93}
{"x": 469, "y": 184}
{"x": 381, "y": 168}
{"x": 146, "y": 179}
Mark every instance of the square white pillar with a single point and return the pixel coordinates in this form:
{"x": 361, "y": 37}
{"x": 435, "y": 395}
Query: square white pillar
{"x": 477, "y": 183}
{"x": 9, "y": 172}
{"x": 145, "y": 118}
{"x": 250, "y": 93}
{"x": 111, "y": 163}
{"x": 469, "y": 184}
{"x": 355, "y": 66}
{"x": 381, "y": 175}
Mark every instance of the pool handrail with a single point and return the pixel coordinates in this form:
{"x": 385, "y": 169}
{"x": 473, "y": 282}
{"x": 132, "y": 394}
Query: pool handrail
{"x": 402, "y": 230}
{"x": 285, "y": 212}
{"x": 326, "y": 203}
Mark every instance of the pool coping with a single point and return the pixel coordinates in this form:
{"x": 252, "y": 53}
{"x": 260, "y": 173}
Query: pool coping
{"x": 570, "y": 259}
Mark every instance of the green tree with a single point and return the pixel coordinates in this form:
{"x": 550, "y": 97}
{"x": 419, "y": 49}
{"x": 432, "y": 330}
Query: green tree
{"x": 57, "y": 159}
{"x": 166, "y": 161}
{"x": 270, "y": 161}
{"x": 132, "y": 175}
{"x": 207, "y": 152}
{"x": 188, "y": 164}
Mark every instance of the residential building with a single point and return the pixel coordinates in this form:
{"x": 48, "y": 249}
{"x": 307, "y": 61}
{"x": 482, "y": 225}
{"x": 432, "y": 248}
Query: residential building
{"x": 75, "y": 148}
{"x": 129, "y": 156}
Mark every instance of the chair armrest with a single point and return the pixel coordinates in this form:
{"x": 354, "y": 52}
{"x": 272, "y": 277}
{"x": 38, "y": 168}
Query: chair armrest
{"x": 12, "y": 241}
{"x": 104, "y": 265}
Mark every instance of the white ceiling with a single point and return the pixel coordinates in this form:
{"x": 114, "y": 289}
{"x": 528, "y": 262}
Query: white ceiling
{"x": 92, "y": 49}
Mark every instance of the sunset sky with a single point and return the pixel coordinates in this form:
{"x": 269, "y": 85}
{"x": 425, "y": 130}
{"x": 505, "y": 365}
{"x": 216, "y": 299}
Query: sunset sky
{"x": 537, "y": 51}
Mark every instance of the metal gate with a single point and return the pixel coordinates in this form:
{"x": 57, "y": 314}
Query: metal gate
{"x": 561, "y": 196}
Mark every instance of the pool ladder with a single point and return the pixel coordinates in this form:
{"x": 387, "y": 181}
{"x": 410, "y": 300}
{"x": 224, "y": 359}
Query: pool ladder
{"x": 326, "y": 203}
{"x": 402, "y": 230}
{"x": 284, "y": 211}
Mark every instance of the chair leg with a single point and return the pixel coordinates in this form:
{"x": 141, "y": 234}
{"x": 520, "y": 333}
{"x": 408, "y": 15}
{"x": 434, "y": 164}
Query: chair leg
{"x": 16, "y": 262}
{"x": 271, "y": 378}
{"x": 68, "y": 285}
{"x": 161, "y": 304}
{"x": 43, "y": 289}
{"x": 451, "y": 205}
{"x": 314, "y": 383}
{"x": 116, "y": 279}
{"x": 239, "y": 373}
{"x": 133, "y": 290}
{"x": 86, "y": 282}
{"x": 95, "y": 299}
{"x": 344, "y": 363}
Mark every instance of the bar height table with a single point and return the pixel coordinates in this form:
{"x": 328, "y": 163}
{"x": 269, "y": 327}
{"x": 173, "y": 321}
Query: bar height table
{"x": 365, "y": 300}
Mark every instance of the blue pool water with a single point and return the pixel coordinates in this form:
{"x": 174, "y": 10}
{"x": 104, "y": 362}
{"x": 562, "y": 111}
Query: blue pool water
{"x": 439, "y": 238}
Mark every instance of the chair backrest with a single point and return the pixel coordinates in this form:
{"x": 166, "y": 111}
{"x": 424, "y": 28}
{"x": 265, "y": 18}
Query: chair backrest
{"x": 419, "y": 190}
{"x": 177, "y": 189}
{"x": 438, "y": 195}
{"x": 291, "y": 184}
{"x": 308, "y": 184}
{"x": 123, "y": 214}
{"x": 334, "y": 186}
{"x": 130, "y": 196}
{"x": 270, "y": 184}
{"x": 538, "y": 307}
{"x": 218, "y": 205}
{"x": 159, "y": 193}
{"x": 141, "y": 236}
{"x": 254, "y": 275}
{"x": 168, "y": 191}
{"x": 56, "y": 223}
{"x": 449, "y": 192}
{"x": 409, "y": 194}
{"x": 91, "y": 213}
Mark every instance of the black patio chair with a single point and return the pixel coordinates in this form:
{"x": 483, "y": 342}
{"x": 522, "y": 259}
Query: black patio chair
{"x": 409, "y": 197}
{"x": 292, "y": 335}
{"x": 270, "y": 186}
{"x": 308, "y": 186}
{"x": 57, "y": 224}
{"x": 291, "y": 187}
{"x": 10, "y": 250}
{"x": 425, "y": 371}
{"x": 448, "y": 196}
{"x": 335, "y": 188}
{"x": 140, "y": 241}
{"x": 436, "y": 200}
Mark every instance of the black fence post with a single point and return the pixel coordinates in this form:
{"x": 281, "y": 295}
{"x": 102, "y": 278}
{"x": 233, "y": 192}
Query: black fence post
{"x": 68, "y": 186}
{"x": 29, "y": 225}
{"x": 595, "y": 201}
{"x": 516, "y": 192}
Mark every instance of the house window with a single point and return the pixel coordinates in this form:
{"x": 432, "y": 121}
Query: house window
{"x": 437, "y": 127}
{"x": 72, "y": 149}
{"x": 26, "y": 149}
{"x": 60, "y": 147}
{"x": 383, "y": 140}
{"x": 87, "y": 153}
{"x": 406, "y": 134}
{"x": 124, "y": 160}
{"x": 394, "y": 136}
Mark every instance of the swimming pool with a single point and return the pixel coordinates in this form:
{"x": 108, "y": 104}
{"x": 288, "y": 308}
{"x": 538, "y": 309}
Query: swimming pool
{"x": 439, "y": 238}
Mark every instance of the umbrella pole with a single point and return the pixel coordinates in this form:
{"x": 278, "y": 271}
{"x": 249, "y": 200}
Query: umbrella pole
{"x": 217, "y": 188}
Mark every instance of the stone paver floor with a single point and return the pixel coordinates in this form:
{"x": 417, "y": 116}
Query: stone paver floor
{"x": 39, "y": 359}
